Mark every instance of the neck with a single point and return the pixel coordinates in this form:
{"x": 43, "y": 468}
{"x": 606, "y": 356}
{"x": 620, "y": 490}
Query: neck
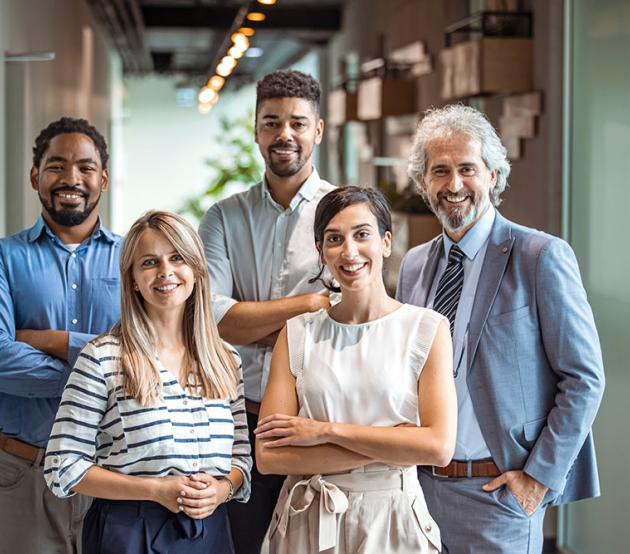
{"x": 361, "y": 306}
{"x": 283, "y": 189}
{"x": 75, "y": 234}
{"x": 169, "y": 328}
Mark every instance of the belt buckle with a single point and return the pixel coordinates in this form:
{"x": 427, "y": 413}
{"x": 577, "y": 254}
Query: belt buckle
{"x": 438, "y": 474}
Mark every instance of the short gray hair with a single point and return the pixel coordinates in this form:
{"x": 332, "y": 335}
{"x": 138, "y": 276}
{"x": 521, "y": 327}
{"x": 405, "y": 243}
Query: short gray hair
{"x": 457, "y": 119}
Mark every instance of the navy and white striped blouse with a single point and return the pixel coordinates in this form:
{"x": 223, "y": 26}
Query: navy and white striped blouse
{"x": 97, "y": 424}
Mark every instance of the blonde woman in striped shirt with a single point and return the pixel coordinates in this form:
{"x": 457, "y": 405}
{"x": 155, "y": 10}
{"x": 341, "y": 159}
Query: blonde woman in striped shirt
{"x": 152, "y": 421}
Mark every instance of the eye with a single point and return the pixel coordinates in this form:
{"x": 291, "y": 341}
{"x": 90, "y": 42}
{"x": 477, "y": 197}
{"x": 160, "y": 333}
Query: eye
{"x": 468, "y": 170}
{"x": 54, "y": 167}
{"x": 333, "y": 239}
{"x": 364, "y": 234}
{"x": 299, "y": 125}
{"x": 177, "y": 258}
{"x": 270, "y": 124}
{"x": 87, "y": 169}
{"x": 440, "y": 172}
{"x": 149, "y": 262}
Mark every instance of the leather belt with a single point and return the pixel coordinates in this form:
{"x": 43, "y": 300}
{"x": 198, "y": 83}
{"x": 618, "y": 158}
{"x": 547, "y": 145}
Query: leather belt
{"x": 252, "y": 407}
{"x": 468, "y": 468}
{"x": 20, "y": 449}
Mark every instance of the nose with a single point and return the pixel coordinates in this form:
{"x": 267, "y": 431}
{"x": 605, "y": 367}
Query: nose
{"x": 455, "y": 183}
{"x": 349, "y": 249}
{"x": 165, "y": 270}
{"x": 71, "y": 175}
{"x": 285, "y": 132}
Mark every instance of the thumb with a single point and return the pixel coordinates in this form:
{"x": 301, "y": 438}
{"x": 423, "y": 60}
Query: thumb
{"x": 495, "y": 483}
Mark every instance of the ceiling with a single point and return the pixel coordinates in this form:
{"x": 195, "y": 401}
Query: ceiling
{"x": 189, "y": 37}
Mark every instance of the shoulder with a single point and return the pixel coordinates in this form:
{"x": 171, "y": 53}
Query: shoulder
{"x": 18, "y": 241}
{"x": 533, "y": 244}
{"x": 417, "y": 256}
{"x": 100, "y": 355}
{"x": 325, "y": 187}
{"x": 307, "y": 319}
{"x": 237, "y": 201}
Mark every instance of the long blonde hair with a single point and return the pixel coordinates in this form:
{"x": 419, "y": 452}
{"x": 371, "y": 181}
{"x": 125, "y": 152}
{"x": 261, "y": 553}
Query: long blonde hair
{"x": 210, "y": 368}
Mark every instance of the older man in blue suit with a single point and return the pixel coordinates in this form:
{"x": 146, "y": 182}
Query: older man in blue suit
{"x": 527, "y": 360}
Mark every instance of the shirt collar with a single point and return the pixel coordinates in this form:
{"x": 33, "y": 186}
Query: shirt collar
{"x": 306, "y": 192}
{"x": 40, "y": 227}
{"x": 475, "y": 238}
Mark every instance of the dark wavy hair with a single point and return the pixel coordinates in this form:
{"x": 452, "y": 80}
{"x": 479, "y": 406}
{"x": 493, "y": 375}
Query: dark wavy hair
{"x": 336, "y": 201}
{"x": 288, "y": 83}
{"x": 68, "y": 125}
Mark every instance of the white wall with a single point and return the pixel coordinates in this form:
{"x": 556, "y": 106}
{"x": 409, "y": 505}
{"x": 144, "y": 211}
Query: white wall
{"x": 77, "y": 83}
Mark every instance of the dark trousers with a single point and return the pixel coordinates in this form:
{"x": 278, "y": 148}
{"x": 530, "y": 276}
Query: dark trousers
{"x": 139, "y": 527}
{"x": 249, "y": 522}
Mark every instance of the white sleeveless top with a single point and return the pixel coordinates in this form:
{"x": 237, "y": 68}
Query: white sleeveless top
{"x": 366, "y": 373}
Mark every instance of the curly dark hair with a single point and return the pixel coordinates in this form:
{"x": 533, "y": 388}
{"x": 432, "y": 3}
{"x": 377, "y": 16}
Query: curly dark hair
{"x": 288, "y": 83}
{"x": 68, "y": 125}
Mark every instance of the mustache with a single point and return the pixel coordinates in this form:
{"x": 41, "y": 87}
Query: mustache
{"x": 287, "y": 145}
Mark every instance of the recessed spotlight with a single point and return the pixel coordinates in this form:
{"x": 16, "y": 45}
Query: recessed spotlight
{"x": 256, "y": 16}
{"x": 247, "y": 31}
{"x": 267, "y": 2}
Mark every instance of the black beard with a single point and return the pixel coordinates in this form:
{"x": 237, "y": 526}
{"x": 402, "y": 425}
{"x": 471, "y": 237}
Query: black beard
{"x": 68, "y": 218}
{"x": 282, "y": 170}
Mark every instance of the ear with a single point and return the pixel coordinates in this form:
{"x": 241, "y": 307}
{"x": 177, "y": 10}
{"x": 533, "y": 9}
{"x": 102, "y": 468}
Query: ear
{"x": 104, "y": 180}
{"x": 34, "y": 177}
{"x": 319, "y": 131}
{"x": 493, "y": 178}
{"x": 387, "y": 245}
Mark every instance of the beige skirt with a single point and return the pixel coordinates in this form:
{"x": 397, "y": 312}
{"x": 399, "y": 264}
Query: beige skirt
{"x": 373, "y": 510}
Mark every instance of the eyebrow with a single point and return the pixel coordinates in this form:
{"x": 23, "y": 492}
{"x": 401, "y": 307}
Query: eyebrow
{"x": 355, "y": 227}
{"x": 273, "y": 116}
{"x": 151, "y": 255}
{"x": 53, "y": 159}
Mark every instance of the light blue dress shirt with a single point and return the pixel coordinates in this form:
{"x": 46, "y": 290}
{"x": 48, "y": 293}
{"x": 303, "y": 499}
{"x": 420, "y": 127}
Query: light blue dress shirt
{"x": 45, "y": 284}
{"x": 470, "y": 443}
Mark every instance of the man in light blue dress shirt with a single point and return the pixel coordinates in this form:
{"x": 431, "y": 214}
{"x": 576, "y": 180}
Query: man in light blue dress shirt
{"x": 59, "y": 288}
{"x": 527, "y": 362}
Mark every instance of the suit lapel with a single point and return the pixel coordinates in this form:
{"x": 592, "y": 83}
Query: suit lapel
{"x": 497, "y": 255}
{"x": 427, "y": 274}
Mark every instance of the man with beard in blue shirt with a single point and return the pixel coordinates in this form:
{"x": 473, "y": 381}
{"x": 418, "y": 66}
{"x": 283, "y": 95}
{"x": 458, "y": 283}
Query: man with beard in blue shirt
{"x": 59, "y": 288}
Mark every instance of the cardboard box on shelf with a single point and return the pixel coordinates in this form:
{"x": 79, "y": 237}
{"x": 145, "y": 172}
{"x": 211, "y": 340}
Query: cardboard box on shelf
{"x": 380, "y": 97}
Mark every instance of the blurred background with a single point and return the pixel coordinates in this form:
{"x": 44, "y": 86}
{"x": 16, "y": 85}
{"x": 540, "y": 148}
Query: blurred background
{"x": 171, "y": 84}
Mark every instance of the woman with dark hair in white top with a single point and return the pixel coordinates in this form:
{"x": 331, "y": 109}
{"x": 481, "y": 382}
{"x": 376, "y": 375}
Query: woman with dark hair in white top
{"x": 152, "y": 420}
{"x": 357, "y": 397}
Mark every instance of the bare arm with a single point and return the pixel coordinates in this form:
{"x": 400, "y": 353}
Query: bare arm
{"x": 280, "y": 397}
{"x": 433, "y": 443}
{"x": 248, "y": 322}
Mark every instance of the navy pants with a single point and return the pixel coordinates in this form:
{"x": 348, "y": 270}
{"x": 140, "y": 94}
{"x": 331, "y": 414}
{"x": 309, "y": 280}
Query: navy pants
{"x": 138, "y": 527}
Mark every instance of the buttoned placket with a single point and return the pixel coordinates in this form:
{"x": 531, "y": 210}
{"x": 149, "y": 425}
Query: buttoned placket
{"x": 278, "y": 256}
{"x": 73, "y": 288}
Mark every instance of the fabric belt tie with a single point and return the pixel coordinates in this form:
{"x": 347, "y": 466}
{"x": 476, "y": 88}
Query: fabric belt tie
{"x": 177, "y": 531}
{"x": 333, "y": 500}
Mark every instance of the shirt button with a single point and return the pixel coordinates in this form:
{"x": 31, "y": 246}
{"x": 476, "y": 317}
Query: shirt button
{"x": 195, "y": 464}
{"x": 55, "y": 460}
{"x": 75, "y": 321}
{"x": 192, "y": 431}
{"x": 73, "y": 255}
{"x": 185, "y": 402}
{"x": 74, "y": 285}
{"x": 428, "y": 528}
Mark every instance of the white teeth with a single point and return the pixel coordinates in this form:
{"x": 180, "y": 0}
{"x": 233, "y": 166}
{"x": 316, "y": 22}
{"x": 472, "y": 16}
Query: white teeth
{"x": 352, "y": 268}
{"x": 71, "y": 195}
{"x": 279, "y": 151}
{"x": 456, "y": 198}
{"x": 166, "y": 288}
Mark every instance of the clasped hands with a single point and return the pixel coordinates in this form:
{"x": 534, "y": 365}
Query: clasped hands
{"x": 198, "y": 495}
{"x": 278, "y": 430}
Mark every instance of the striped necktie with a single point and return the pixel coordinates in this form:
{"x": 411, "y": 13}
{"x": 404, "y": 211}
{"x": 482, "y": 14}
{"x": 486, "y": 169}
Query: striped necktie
{"x": 450, "y": 286}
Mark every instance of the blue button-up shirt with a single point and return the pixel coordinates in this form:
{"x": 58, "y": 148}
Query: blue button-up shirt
{"x": 470, "y": 443}
{"x": 45, "y": 284}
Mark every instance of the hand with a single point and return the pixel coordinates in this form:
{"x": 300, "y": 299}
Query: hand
{"x": 291, "y": 431}
{"x": 525, "y": 489}
{"x": 172, "y": 490}
{"x": 49, "y": 341}
{"x": 203, "y": 501}
{"x": 318, "y": 301}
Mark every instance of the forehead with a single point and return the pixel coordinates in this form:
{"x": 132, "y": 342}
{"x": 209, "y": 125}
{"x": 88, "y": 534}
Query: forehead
{"x": 72, "y": 146}
{"x": 453, "y": 149}
{"x": 351, "y": 216}
{"x": 286, "y": 107}
{"x": 154, "y": 242}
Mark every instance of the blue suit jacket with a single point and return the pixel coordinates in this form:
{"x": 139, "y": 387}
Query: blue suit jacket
{"x": 535, "y": 372}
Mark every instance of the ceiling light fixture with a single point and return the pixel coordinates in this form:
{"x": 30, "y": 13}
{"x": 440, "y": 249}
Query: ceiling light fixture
{"x": 206, "y": 95}
{"x": 216, "y": 83}
{"x": 267, "y": 2}
{"x": 247, "y": 31}
{"x": 256, "y": 16}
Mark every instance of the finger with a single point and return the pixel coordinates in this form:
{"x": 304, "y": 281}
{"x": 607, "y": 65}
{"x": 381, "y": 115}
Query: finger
{"x": 274, "y": 433}
{"x": 271, "y": 417}
{"x": 286, "y": 441}
{"x": 495, "y": 483}
{"x": 202, "y": 478}
{"x": 275, "y": 424}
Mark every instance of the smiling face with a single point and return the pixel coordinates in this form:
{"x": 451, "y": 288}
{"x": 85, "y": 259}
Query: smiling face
{"x": 287, "y": 129}
{"x": 457, "y": 182}
{"x": 353, "y": 250}
{"x": 70, "y": 180}
{"x": 160, "y": 274}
